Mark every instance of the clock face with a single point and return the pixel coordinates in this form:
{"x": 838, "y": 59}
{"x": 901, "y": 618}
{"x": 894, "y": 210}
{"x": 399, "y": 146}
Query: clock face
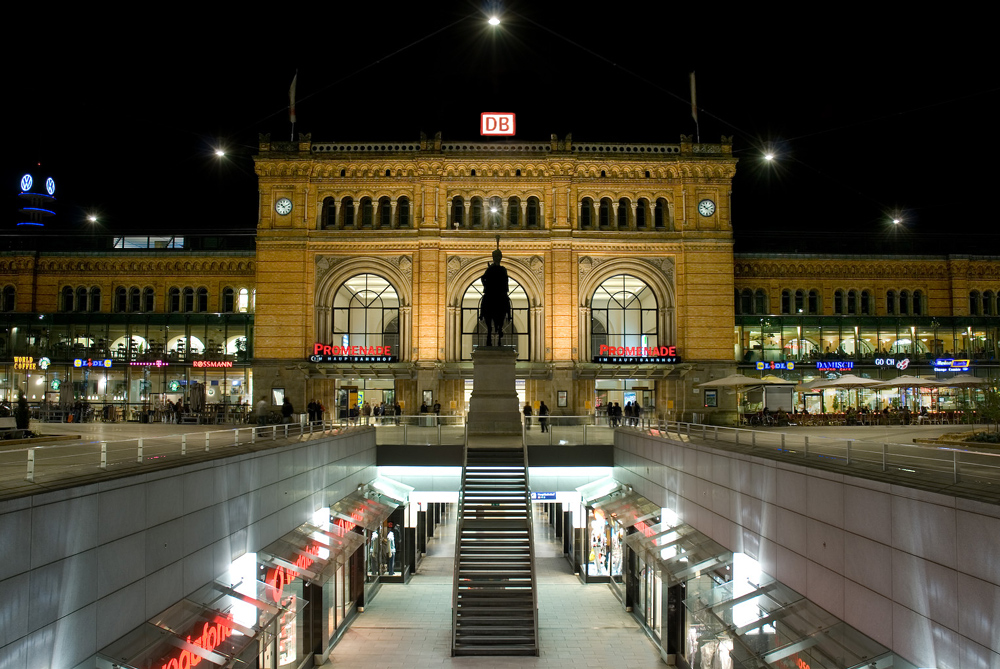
{"x": 706, "y": 207}
{"x": 283, "y": 206}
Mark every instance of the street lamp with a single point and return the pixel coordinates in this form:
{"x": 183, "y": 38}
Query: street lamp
{"x": 494, "y": 21}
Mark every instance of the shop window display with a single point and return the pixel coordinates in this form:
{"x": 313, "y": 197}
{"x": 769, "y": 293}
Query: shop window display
{"x": 606, "y": 540}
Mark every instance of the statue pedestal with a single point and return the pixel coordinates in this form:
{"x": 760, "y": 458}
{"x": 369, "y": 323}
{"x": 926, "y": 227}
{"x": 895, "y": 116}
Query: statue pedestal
{"x": 493, "y": 407}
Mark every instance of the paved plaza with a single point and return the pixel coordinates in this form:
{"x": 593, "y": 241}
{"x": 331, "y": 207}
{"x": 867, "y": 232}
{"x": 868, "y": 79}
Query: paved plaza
{"x": 409, "y": 626}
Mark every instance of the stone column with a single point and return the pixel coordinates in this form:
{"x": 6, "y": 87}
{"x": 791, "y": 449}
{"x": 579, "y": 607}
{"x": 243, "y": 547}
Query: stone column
{"x": 405, "y": 335}
{"x": 585, "y": 352}
{"x": 467, "y": 204}
{"x": 392, "y": 214}
{"x": 523, "y": 223}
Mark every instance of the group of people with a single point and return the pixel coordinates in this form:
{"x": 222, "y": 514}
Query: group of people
{"x": 543, "y": 416}
{"x": 315, "y": 410}
{"x": 384, "y": 413}
{"x": 628, "y": 416}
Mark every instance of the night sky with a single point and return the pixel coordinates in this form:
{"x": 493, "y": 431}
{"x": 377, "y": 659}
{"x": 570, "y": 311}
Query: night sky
{"x": 869, "y": 112}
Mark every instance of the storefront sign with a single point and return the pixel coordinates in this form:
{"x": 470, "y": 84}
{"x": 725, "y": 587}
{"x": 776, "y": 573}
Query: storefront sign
{"x": 278, "y": 577}
{"x": 87, "y": 362}
{"x": 330, "y": 353}
{"x": 637, "y": 354}
{"x": 43, "y": 363}
{"x": 154, "y": 363}
{"x": 24, "y": 362}
{"x": 951, "y": 365}
{"x": 776, "y": 365}
{"x": 496, "y": 123}
{"x": 892, "y": 362}
{"x": 542, "y": 496}
{"x": 834, "y": 366}
{"x": 348, "y": 525}
{"x": 211, "y": 637}
{"x": 213, "y": 363}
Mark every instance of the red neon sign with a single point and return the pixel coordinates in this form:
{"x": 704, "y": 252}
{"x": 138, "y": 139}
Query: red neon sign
{"x": 644, "y": 528}
{"x": 212, "y": 636}
{"x": 496, "y": 123}
{"x": 278, "y": 577}
{"x": 642, "y": 351}
{"x": 213, "y": 363}
{"x": 326, "y": 349}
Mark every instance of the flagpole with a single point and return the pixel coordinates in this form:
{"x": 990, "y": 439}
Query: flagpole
{"x": 694, "y": 110}
{"x": 291, "y": 103}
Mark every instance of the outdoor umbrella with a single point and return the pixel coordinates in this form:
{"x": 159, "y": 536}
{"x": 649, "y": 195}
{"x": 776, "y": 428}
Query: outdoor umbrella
{"x": 848, "y": 382}
{"x": 902, "y": 382}
{"x": 963, "y": 381}
{"x": 737, "y": 382}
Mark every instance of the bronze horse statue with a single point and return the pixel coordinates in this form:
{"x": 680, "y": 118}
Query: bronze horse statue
{"x": 495, "y": 307}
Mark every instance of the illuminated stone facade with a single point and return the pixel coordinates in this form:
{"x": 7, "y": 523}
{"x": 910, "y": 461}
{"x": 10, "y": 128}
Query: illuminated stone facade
{"x": 420, "y": 215}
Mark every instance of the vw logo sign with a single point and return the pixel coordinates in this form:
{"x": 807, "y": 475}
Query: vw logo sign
{"x": 26, "y": 182}
{"x": 50, "y": 186}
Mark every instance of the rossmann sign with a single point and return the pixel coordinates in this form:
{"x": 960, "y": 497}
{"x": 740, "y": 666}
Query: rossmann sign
{"x": 637, "y": 354}
{"x": 330, "y": 353}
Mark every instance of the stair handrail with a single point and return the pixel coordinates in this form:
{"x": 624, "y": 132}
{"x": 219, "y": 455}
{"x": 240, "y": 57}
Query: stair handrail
{"x": 460, "y": 524}
{"x": 531, "y": 541}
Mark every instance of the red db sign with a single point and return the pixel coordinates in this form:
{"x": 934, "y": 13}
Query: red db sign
{"x": 497, "y": 123}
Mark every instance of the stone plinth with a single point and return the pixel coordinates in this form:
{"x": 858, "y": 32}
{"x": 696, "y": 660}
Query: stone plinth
{"x": 493, "y": 407}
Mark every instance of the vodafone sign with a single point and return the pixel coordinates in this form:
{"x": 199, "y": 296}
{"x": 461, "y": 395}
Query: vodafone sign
{"x": 496, "y": 123}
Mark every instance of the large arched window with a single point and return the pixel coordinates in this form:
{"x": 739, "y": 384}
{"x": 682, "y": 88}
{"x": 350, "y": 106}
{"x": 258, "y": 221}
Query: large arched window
{"x": 642, "y": 214}
{"x": 202, "y": 305}
{"x": 243, "y": 301}
{"x": 516, "y": 334}
{"x": 121, "y": 299}
{"x": 384, "y": 212}
{"x": 623, "y": 312}
{"x": 476, "y": 212}
{"x": 134, "y": 300}
{"x": 81, "y": 299}
{"x": 328, "y": 217}
{"x": 531, "y": 214}
{"x": 95, "y": 298}
{"x": 66, "y": 299}
{"x": 228, "y": 300}
{"x": 347, "y": 212}
{"x": 624, "y": 209}
{"x": 513, "y": 212}
{"x": 458, "y": 212}
{"x": 660, "y": 214}
{"x": 403, "y": 212}
{"x": 9, "y": 298}
{"x": 148, "y": 299}
{"x": 366, "y": 313}
{"x": 604, "y": 215}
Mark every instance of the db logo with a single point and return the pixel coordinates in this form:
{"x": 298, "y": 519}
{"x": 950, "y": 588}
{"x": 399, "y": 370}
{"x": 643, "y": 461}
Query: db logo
{"x": 496, "y": 123}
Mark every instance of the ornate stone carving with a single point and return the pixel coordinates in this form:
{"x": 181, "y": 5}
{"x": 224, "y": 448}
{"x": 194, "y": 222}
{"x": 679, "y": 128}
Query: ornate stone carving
{"x": 537, "y": 266}
{"x": 405, "y": 264}
{"x": 326, "y": 263}
{"x": 664, "y": 266}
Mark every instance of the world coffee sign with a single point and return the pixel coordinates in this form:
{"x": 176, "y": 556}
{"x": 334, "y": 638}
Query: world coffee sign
{"x": 630, "y": 355}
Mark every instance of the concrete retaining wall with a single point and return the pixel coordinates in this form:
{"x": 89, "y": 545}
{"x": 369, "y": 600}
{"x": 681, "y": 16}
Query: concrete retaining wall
{"x": 81, "y": 567}
{"x": 917, "y": 571}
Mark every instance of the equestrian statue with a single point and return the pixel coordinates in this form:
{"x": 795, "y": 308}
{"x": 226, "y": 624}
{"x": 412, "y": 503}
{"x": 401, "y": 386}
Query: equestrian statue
{"x": 495, "y": 307}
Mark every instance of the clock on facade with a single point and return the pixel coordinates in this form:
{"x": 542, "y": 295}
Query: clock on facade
{"x": 283, "y": 206}
{"x": 706, "y": 207}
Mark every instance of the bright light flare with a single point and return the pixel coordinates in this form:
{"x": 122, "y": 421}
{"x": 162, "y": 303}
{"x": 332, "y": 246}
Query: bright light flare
{"x": 768, "y": 156}
{"x": 493, "y": 210}
{"x": 494, "y": 21}
{"x": 220, "y": 153}
{"x": 897, "y": 221}
{"x": 92, "y": 218}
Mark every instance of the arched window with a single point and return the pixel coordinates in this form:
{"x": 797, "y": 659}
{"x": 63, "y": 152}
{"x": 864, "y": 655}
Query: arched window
{"x": 624, "y": 209}
{"x": 476, "y": 212}
{"x": 514, "y": 212}
{"x": 367, "y": 212}
{"x": 987, "y": 303}
{"x": 121, "y": 299}
{"x": 403, "y": 212}
{"x": 66, "y": 299}
{"x": 347, "y": 212}
{"x": 604, "y": 217}
{"x": 866, "y": 303}
{"x": 384, "y": 213}
{"x": 786, "y": 301}
{"x": 974, "y": 303}
{"x": 458, "y": 212}
{"x": 174, "y": 300}
{"x": 760, "y": 302}
{"x": 202, "y": 300}
{"x": 813, "y": 301}
{"x": 148, "y": 300}
{"x": 890, "y": 302}
{"x": 627, "y": 308}
{"x": 586, "y": 214}
{"x": 918, "y": 303}
{"x": 328, "y": 217}
{"x": 516, "y": 333}
{"x": 904, "y": 303}
{"x": 243, "y": 301}
{"x": 746, "y": 301}
{"x": 134, "y": 300}
{"x": 365, "y": 309}
{"x": 852, "y": 302}
{"x": 838, "y": 302}
{"x": 800, "y": 301}
{"x": 188, "y": 300}
{"x": 95, "y": 298}
{"x": 641, "y": 214}
{"x": 9, "y": 298}
{"x": 228, "y": 300}
{"x": 531, "y": 213}
{"x": 81, "y": 299}
{"x": 660, "y": 214}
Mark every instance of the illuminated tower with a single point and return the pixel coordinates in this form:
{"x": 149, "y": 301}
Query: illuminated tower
{"x": 37, "y": 200}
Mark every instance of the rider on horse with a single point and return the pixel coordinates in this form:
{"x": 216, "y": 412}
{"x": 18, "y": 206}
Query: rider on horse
{"x": 495, "y": 306}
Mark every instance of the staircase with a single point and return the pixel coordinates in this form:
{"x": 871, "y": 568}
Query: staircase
{"x": 494, "y": 603}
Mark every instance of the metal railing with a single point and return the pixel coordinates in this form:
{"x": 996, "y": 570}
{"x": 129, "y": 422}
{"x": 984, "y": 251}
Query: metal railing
{"x": 913, "y": 461}
{"x": 428, "y": 430}
{"x": 458, "y": 549}
{"x": 531, "y": 545}
{"x": 80, "y": 457}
